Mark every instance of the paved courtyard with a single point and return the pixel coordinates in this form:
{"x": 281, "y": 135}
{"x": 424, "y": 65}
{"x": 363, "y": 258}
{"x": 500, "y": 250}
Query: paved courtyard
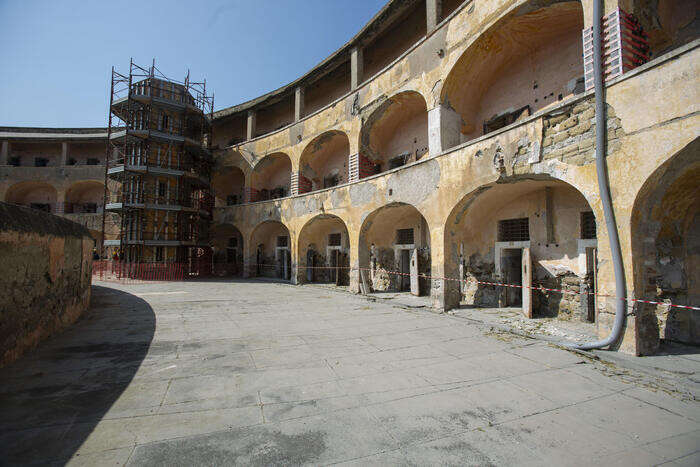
{"x": 255, "y": 373}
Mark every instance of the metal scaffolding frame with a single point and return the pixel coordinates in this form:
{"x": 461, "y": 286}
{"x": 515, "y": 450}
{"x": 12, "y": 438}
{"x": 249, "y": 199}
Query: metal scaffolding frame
{"x": 149, "y": 111}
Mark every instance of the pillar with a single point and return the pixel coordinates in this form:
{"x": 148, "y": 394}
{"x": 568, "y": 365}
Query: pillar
{"x": 298, "y": 103}
{"x": 250, "y": 132}
{"x": 64, "y": 154}
{"x": 433, "y": 11}
{"x": 356, "y": 62}
{"x": 354, "y": 261}
{"x": 4, "y": 153}
{"x": 444, "y": 125}
{"x": 59, "y": 208}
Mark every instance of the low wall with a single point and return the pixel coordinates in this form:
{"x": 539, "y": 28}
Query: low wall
{"x": 46, "y": 269}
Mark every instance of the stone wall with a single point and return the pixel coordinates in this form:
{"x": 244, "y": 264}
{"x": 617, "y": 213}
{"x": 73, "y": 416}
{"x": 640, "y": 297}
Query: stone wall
{"x": 47, "y": 270}
{"x": 569, "y": 134}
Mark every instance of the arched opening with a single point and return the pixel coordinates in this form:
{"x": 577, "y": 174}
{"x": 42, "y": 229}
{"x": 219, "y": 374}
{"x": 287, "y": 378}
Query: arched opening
{"x": 228, "y": 185}
{"x": 324, "y": 162}
{"x": 669, "y": 23}
{"x": 271, "y": 177}
{"x": 324, "y": 251}
{"x": 665, "y": 232}
{"x": 227, "y": 245}
{"x": 524, "y": 63}
{"x": 85, "y": 197}
{"x": 394, "y": 250}
{"x": 270, "y": 254}
{"x": 36, "y": 195}
{"x": 395, "y": 134}
{"x": 529, "y": 233}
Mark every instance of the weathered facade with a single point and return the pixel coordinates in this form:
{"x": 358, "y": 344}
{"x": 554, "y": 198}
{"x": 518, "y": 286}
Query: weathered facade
{"x": 456, "y": 140}
{"x": 57, "y": 170}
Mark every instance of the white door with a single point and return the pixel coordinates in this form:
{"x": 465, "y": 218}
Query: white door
{"x": 415, "y": 290}
{"x": 527, "y": 283}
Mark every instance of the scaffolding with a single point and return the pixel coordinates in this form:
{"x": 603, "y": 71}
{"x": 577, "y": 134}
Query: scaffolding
{"x": 158, "y": 166}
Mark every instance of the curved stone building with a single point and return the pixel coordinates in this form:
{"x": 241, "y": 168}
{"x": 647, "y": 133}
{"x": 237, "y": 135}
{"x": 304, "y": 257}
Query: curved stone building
{"x": 456, "y": 140}
{"x": 58, "y": 170}
{"x": 448, "y": 146}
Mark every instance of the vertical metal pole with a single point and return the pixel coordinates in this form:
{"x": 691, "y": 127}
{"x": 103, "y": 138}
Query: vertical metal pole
{"x": 109, "y": 134}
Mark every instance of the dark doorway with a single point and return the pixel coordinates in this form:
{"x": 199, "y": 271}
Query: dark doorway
{"x": 310, "y": 266}
{"x": 591, "y": 279}
{"x": 405, "y": 269}
{"x": 511, "y": 269}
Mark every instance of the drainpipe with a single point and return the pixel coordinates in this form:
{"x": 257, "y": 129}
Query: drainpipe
{"x": 604, "y": 189}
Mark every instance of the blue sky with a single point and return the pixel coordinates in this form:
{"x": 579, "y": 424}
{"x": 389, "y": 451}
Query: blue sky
{"x": 56, "y": 55}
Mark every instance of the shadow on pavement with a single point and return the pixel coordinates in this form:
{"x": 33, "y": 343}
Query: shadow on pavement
{"x": 52, "y": 398}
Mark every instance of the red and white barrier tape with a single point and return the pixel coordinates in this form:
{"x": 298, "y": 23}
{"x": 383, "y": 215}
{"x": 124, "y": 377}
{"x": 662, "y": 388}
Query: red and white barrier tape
{"x": 495, "y": 284}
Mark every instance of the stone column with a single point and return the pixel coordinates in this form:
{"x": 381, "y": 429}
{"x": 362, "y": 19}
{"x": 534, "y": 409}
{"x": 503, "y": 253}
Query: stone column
{"x": 64, "y": 154}
{"x": 59, "y": 208}
{"x": 433, "y": 11}
{"x": 5, "y": 153}
{"x": 298, "y": 103}
{"x": 250, "y": 133}
{"x": 356, "y": 65}
{"x": 247, "y": 251}
{"x": 444, "y": 294}
{"x": 444, "y": 125}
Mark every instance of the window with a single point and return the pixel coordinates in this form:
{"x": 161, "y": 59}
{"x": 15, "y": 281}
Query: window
{"x": 159, "y": 253}
{"x": 505, "y": 119}
{"x": 90, "y": 207}
{"x": 72, "y": 161}
{"x": 282, "y": 241}
{"x": 404, "y": 237}
{"x": 41, "y": 206}
{"x": 588, "y": 226}
{"x": 41, "y": 162}
{"x": 14, "y": 161}
{"x": 93, "y": 161}
{"x": 231, "y": 200}
{"x": 161, "y": 188}
{"x": 334, "y": 239}
{"x": 514, "y": 230}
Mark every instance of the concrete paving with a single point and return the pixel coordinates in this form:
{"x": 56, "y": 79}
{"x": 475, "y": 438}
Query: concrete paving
{"x": 258, "y": 373}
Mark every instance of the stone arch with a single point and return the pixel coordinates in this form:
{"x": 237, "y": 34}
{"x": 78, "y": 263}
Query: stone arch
{"x": 269, "y": 255}
{"x": 665, "y": 230}
{"x": 39, "y": 195}
{"x": 84, "y": 197}
{"x": 488, "y": 230}
{"x": 324, "y": 251}
{"x": 227, "y": 244}
{"x": 383, "y": 238}
{"x": 324, "y": 161}
{"x": 394, "y": 134}
{"x": 271, "y": 177}
{"x": 526, "y": 61}
{"x": 228, "y": 185}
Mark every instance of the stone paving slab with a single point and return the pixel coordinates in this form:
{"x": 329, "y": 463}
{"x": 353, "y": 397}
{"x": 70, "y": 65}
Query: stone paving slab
{"x": 262, "y": 373}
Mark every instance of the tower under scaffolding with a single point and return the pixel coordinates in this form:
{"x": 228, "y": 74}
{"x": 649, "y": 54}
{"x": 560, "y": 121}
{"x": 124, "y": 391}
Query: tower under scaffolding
{"x": 158, "y": 168}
